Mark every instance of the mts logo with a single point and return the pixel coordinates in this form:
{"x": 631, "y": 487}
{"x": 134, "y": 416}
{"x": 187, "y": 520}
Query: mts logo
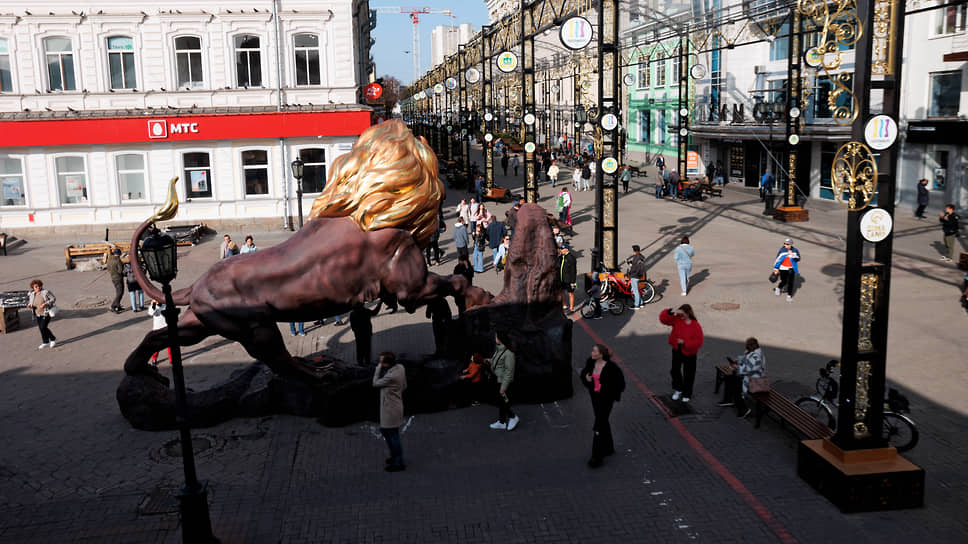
{"x": 159, "y": 128}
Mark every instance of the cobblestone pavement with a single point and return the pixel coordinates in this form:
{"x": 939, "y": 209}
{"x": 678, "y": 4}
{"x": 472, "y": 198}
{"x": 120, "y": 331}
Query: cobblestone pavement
{"x": 74, "y": 471}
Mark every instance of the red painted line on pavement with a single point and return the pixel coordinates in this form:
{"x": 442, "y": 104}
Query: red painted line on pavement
{"x": 718, "y": 468}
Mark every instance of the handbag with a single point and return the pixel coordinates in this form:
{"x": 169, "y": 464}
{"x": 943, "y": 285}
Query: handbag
{"x": 759, "y": 385}
{"x": 52, "y": 310}
{"x": 774, "y": 277}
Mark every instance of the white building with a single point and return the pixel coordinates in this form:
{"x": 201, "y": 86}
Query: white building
{"x": 498, "y": 9}
{"x": 100, "y": 108}
{"x": 445, "y": 39}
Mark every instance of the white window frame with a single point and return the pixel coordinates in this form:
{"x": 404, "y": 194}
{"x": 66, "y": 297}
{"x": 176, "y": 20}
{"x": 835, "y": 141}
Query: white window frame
{"x": 10, "y": 63}
{"x": 121, "y": 52}
{"x": 262, "y": 59}
{"x": 660, "y": 70}
{"x": 57, "y": 183}
{"x": 268, "y": 164}
{"x": 321, "y": 59}
{"x": 644, "y": 69}
{"x": 23, "y": 182}
{"x": 675, "y": 67}
{"x": 328, "y": 154}
{"x": 961, "y": 17}
{"x": 117, "y": 176}
{"x": 930, "y": 93}
{"x": 201, "y": 47}
{"x": 185, "y": 170}
{"x": 60, "y": 56}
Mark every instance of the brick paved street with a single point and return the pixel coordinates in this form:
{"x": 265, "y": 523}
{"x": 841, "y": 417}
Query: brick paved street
{"x": 73, "y": 470}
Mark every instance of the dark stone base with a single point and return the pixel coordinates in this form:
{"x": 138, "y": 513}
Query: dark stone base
{"x": 862, "y": 480}
{"x": 792, "y": 214}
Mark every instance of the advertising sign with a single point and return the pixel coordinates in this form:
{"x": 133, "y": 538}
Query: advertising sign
{"x": 876, "y": 225}
{"x": 373, "y": 91}
{"x": 575, "y": 33}
{"x": 451, "y": 83}
{"x": 692, "y": 162}
{"x": 472, "y": 75}
{"x": 507, "y": 62}
{"x": 609, "y": 165}
{"x": 880, "y": 132}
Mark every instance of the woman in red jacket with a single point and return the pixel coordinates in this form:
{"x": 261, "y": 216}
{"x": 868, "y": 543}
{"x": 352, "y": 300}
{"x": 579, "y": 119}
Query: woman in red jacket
{"x": 685, "y": 339}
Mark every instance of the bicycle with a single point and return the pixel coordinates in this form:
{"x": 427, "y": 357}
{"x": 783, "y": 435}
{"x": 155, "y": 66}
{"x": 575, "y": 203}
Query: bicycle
{"x": 616, "y": 294}
{"x": 899, "y": 429}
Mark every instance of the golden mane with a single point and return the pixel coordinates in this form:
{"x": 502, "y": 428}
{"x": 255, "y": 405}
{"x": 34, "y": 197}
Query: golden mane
{"x": 388, "y": 180}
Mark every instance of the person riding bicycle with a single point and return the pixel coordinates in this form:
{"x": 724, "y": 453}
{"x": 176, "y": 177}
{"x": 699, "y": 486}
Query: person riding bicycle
{"x": 636, "y": 273}
{"x": 595, "y": 296}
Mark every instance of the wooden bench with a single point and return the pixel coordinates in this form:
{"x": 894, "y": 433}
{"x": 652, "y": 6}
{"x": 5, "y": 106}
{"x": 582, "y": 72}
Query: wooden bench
{"x": 709, "y": 189}
{"x": 96, "y": 250}
{"x": 788, "y": 412}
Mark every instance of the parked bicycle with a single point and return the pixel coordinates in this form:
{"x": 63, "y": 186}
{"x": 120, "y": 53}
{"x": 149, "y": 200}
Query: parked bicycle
{"x": 617, "y": 294}
{"x": 899, "y": 429}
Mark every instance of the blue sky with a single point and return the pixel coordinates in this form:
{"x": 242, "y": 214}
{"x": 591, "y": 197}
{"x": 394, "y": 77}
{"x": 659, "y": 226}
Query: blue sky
{"x": 394, "y": 33}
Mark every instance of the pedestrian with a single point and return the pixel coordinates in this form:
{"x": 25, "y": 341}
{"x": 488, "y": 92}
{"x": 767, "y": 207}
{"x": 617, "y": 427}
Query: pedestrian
{"x": 135, "y": 293}
{"x": 710, "y": 172}
{"x": 478, "y": 190}
{"x": 786, "y": 266}
{"x": 511, "y": 216}
{"x": 659, "y": 163}
{"x": 595, "y": 296}
{"x": 465, "y": 269}
{"x": 156, "y": 312}
{"x": 923, "y": 196}
{"x": 480, "y": 244}
{"x": 502, "y": 366}
{"x": 461, "y": 238}
{"x": 472, "y": 208}
{"x": 751, "y": 364}
{"x": 116, "y": 272}
{"x": 515, "y": 163}
{"x": 496, "y": 231}
{"x": 249, "y": 245}
{"x": 592, "y": 168}
{"x": 433, "y": 252}
{"x": 471, "y": 383}
{"x": 561, "y": 144}
{"x": 686, "y": 338}
{"x": 563, "y": 206}
{"x": 42, "y": 305}
{"x": 559, "y": 238}
{"x": 949, "y": 226}
{"x": 292, "y": 328}
{"x": 567, "y": 275}
{"x": 391, "y": 379}
{"x": 362, "y": 326}
{"x": 720, "y": 178}
{"x": 672, "y": 184}
{"x": 636, "y": 273}
{"x": 576, "y": 178}
{"x": 586, "y": 176}
{"x": 504, "y": 163}
{"x": 440, "y": 316}
{"x": 502, "y": 254}
{"x": 625, "y": 178}
{"x": 464, "y": 210}
{"x": 683, "y": 256}
{"x": 766, "y": 185}
{"x": 605, "y": 383}
{"x": 553, "y": 173}
{"x": 228, "y": 248}
{"x": 483, "y": 216}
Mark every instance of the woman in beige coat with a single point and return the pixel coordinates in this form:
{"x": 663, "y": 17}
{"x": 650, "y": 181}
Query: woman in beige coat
{"x": 391, "y": 379}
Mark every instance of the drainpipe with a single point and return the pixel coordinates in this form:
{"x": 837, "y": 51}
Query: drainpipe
{"x": 287, "y": 217}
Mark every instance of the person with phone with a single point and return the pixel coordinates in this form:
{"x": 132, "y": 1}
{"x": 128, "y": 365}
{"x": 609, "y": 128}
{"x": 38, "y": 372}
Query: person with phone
{"x": 751, "y": 364}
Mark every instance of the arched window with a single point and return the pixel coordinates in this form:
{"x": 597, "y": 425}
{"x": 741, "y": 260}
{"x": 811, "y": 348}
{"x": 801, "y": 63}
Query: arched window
{"x": 188, "y": 62}
{"x": 307, "y": 59}
{"x": 60, "y": 64}
{"x": 121, "y": 62}
{"x": 248, "y": 63}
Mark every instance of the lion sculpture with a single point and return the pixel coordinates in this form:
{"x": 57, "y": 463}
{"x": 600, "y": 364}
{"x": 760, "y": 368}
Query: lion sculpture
{"x": 362, "y": 242}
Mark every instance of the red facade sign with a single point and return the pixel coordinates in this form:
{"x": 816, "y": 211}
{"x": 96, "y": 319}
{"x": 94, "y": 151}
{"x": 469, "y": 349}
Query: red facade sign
{"x": 373, "y": 91}
{"x": 108, "y": 130}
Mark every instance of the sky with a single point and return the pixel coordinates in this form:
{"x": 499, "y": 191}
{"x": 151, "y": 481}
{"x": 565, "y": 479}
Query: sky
{"x": 394, "y": 33}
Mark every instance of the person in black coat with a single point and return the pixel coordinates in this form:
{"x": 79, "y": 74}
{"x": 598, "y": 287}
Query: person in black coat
{"x": 362, "y": 326}
{"x": 922, "y": 198}
{"x": 605, "y": 382}
{"x": 567, "y": 267}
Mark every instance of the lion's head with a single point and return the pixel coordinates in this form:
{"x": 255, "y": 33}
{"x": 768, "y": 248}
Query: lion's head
{"x": 388, "y": 180}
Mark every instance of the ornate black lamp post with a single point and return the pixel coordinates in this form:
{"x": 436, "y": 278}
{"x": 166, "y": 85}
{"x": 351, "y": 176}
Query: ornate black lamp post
{"x": 297, "y": 172}
{"x": 161, "y": 261}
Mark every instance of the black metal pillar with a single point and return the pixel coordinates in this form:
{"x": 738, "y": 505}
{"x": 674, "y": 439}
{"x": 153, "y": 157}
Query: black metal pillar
{"x": 528, "y": 110}
{"x": 606, "y": 141}
{"x": 462, "y": 112}
{"x": 682, "y": 136}
{"x": 487, "y": 65}
{"x": 792, "y": 101}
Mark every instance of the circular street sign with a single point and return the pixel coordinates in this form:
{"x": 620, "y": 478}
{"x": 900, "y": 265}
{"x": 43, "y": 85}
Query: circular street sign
{"x": 507, "y": 62}
{"x": 813, "y": 57}
{"x": 683, "y": 132}
{"x": 439, "y": 88}
{"x": 876, "y": 225}
{"x": 683, "y": 112}
{"x": 628, "y": 79}
{"x": 463, "y": 132}
{"x": 451, "y": 83}
{"x": 450, "y": 128}
{"x": 529, "y": 147}
{"x": 698, "y": 71}
{"x": 488, "y": 117}
{"x": 575, "y": 33}
{"x": 488, "y": 137}
{"x": 586, "y": 85}
{"x": 577, "y": 124}
{"x": 472, "y": 75}
{"x": 609, "y": 121}
{"x": 373, "y": 91}
{"x": 529, "y": 119}
{"x": 880, "y": 132}
{"x": 609, "y": 165}
{"x": 795, "y": 112}
{"x": 794, "y": 139}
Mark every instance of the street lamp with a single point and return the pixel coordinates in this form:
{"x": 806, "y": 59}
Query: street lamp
{"x": 297, "y": 172}
{"x": 161, "y": 260}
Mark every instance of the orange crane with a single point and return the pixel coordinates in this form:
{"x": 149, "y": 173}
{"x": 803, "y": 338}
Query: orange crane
{"x": 414, "y": 13}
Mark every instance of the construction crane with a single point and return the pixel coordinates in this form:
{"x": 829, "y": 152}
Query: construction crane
{"x": 414, "y": 13}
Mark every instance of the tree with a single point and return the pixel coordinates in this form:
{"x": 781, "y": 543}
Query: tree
{"x": 391, "y": 93}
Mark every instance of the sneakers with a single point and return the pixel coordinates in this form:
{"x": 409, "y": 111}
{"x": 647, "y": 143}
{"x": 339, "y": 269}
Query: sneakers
{"x": 776, "y": 291}
{"x": 725, "y": 404}
{"x": 302, "y": 334}
{"x": 945, "y": 258}
{"x": 745, "y": 413}
{"x": 498, "y": 425}
{"x": 683, "y": 293}
{"x": 42, "y": 346}
{"x": 789, "y": 298}
{"x": 685, "y": 399}
{"x": 513, "y": 422}
{"x": 676, "y": 395}
{"x": 52, "y": 343}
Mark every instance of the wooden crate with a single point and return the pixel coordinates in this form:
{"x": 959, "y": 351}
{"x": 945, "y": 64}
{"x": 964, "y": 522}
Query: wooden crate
{"x": 963, "y": 262}
{"x": 10, "y": 321}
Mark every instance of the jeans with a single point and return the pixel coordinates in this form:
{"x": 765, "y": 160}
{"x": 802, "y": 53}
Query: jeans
{"x": 554, "y": 181}
{"x": 478, "y": 260}
{"x": 636, "y": 296}
{"x": 139, "y": 296}
{"x": 45, "y": 335}
{"x": 684, "y": 272}
{"x": 673, "y": 189}
{"x": 683, "y": 372}
{"x": 495, "y": 256}
{"x": 292, "y": 328}
{"x": 658, "y": 190}
{"x": 392, "y": 437}
{"x": 584, "y": 183}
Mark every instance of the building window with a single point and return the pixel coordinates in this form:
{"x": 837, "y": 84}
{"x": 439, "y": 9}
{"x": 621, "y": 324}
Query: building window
{"x": 131, "y": 176}
{"x": 248, "y": 63}
{"x": 660, "y": 71}
{"x": 71, "y": 179}
{"x": 950, "y": 20}
{"x": 121, "y": 62}
{"x": 821, "y": 98}
{"x": 198, "y": 175}
{"x": 675, "y": 68}
{"x": 255, "y": 166}
{"x": 661, "y": 125}
{"x": 644, "y": 80}
{"x": 6, "y": 81}
{"x": 188, "y": 58}
{"x": 60, "y": 64}
{"x": 12, "y": 181}
{"x": 945, "y": 94}
{"x": 645, "y": 126}
{"x": 780, "y": 44}
{"x": 307, "y": 59}
{"x": 314, "y": 171}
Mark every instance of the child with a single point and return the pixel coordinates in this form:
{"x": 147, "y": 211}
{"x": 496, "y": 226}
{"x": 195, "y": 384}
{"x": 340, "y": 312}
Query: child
{"x": 471, "y": 381}
{"x": 156, "y": 313}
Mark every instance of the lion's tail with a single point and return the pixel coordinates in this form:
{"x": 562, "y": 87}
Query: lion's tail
{"x": 167, "y": 211}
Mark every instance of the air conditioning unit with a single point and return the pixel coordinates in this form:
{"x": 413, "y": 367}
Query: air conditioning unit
{"x": 759, "y": 69}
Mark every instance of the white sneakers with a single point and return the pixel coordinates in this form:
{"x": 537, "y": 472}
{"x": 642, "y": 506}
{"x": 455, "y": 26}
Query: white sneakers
{"x": 789, "y": 298}
{"x": 685, "y": 399}
{"x": 683, "y": 293}
{"x": 676, "y": 395}
{"x": 776, "y": 291}
{"x": 42, "y": 346}
{"x": 509, "y": 426}
{"x": 50, "y": 345}
{"x": 513, "y": 422}
{"x": 498, "y": 425}
{"x": 53, "y": 343}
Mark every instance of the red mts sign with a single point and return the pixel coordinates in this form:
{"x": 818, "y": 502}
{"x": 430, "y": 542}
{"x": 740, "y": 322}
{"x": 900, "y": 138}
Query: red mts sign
{"x": 373, "y": 91}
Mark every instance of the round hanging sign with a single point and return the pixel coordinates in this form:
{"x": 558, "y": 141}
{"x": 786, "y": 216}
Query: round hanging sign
{"x": 795, "y": 112}
{"x": 609, "y": 121}
{"x": 439, "y": 88}
{"x": 794, "y": 139}
{"x": 488, "y": 137}
{"x": 586, "y": 85}
{"x": 575, "y": 33}
{"x": 698, "y": 71}
{"x": 683, "y": 132}
{"x": 529, "y": 147}
{"x": 876, "y": 225}
{"x": 683, "y": 112}
{"x": 463, "y": 132}
{"x": 507, "y": 62}
{"x": 488, "y": 117}
{"x": 451, "y": 83}
{"x": 529, "y": 119}
{"x": 813, "y": 57}
{"x": 880, "y": 132}
{"x": 373, "y": 91}
{"x": 472, "y": 75}
{"x": 628, "y": 79}
{"x": 609, "y": 165}
{"x": 450, "y": 128}
{"x": 577, "y": 124}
